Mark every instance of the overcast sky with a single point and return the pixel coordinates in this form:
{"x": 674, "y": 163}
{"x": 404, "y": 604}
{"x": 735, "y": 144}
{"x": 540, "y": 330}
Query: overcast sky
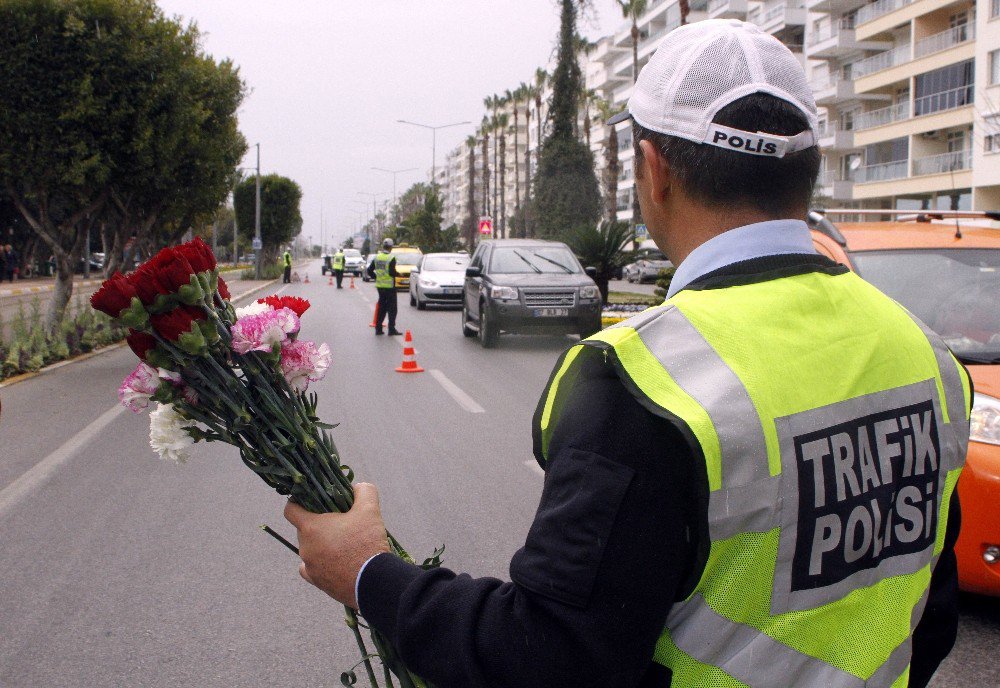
{"x": 329, "y": 78}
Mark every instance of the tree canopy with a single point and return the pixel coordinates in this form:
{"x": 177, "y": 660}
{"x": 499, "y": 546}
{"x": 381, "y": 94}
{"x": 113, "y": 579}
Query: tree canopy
{"x": 111, "y": 114}
{"x": 280, "y": 215}
{"x": 566, "y": 193}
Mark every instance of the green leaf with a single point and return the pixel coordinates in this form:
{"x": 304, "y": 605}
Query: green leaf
{"x": 348, "y": 678}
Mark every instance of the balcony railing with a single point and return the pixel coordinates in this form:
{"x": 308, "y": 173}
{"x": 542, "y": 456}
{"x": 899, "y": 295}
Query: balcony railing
{"x": 882, "y": 116}
{"x": 944, "y": 100}
{"x": 944, "y": 40}
{"x": 876, "y": 63}
{"x": 830, "y": 30}
{"x": 946, "y": 162}
{"x": 880, "y": 8}
{"x": 714, "y": 5}
{"x": 882, "y": 172}
{"x": 829, "y": 80}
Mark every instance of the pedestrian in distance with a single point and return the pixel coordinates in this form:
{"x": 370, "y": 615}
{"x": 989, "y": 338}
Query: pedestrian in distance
{"x": 10, "y": 266}
{"x": 750, "y": 485}
{"x": 383, "y": 270}
{"x": 338, "y": 267}
{"x": 287, "y": 278}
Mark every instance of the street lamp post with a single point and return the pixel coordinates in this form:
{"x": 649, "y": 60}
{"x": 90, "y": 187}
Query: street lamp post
{"x": 434, "y": 130}
{"x": 394, "y": 173}
{"x": 258, "y": 241}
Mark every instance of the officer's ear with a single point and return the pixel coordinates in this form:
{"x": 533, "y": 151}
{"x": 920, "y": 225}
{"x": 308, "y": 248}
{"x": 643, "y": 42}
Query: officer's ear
{"x": 654, "y": 171}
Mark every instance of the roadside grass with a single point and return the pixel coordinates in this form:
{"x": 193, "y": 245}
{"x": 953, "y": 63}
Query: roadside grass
{"x": 30, "y": 346}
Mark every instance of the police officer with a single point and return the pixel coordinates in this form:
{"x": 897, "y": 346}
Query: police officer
{"x": 383, "y": 269}
{"x": 338, "y": 266}
{"x": 287, "y": 259}
{"x": 750, "y": 485}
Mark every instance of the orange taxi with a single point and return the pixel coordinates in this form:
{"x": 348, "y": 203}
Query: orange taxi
{"x": 946, "y": 272}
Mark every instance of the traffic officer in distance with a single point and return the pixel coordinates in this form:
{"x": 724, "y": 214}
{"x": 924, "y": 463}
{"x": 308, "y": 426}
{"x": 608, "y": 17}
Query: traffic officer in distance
{"x": 287, "y": 260}
{"x": 383, "y": 270}
{"x": 338, "y": 267}
{"x": 750, "y": 485}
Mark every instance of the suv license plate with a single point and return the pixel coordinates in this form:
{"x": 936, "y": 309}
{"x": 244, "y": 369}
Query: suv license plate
{"x": 551, "y": 312}
{"x": 452, "y": 291}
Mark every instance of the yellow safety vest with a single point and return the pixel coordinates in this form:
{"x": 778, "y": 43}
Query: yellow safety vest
{"x": 383, "y": 280}
{"x": 833, "y": 426}
{"x": 338, "y": 261}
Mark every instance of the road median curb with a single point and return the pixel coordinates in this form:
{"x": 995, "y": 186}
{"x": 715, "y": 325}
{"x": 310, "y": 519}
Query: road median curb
{"x": 10, "y": 382}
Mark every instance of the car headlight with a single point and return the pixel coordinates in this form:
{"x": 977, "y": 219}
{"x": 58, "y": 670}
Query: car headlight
{"x": 503, "y": 293}
{"x": 589, "y": 292}
{"x": 985, "y": 421}
{"x": 428, "y": 283}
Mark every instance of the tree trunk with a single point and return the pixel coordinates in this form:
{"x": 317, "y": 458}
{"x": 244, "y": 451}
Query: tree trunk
{"x": 611, "y": 170}
{"x": 486, "y": 173}
{"x": 473, "y": 221}
{"x": 538, "y": 118}
{"x": 517, "y": 178}
{"x": 503, "y": 185}
{"x": 635, "y": 51}
{"x": 496, "y": 175}
{"x": 602, "y": 286}
{"x": 62, "y": 293}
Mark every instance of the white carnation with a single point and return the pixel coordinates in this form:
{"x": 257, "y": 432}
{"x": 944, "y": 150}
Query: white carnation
{"x": 254, "y": 308}
{"x": 167, "y": 434}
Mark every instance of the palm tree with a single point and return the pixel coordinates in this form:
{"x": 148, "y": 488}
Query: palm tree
{"x": 611, "y": 166}
{"x": 588, "y": 98}
{"x": 520, "y": 95}
{"x": 541, "y": 78}
{"x": 633, "y": 9}
{"x": 603, "y": 248}
{"x": 484, "y": 132}
{"x": 583, "y": 47}
{"x": 503, "y": 121}
{"x": 470, "y": 206}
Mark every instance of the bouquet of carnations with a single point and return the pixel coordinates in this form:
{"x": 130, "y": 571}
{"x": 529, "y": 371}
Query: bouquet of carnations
{"x": 240, "y": 376}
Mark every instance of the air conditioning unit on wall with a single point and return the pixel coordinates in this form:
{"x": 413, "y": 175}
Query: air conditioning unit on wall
{"x": 932, "y": 134}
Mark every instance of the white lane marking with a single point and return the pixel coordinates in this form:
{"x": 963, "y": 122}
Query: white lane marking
{"x": 463, "y": 399}
{"x": 533, "y": 465}
{"x": 36, "y": 476}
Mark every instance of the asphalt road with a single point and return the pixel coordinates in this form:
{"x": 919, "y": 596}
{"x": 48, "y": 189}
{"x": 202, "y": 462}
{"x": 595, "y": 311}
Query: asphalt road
{"x": 119, "y": 569}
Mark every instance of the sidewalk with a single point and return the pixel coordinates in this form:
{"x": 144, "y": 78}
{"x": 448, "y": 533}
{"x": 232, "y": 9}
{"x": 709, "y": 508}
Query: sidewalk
{"x": 44, "y": 285}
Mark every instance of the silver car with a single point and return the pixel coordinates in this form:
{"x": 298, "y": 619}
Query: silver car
{"x": 354, "y": 264}
{"x": 438, "y": 280}
{"x": 646, "y": 268}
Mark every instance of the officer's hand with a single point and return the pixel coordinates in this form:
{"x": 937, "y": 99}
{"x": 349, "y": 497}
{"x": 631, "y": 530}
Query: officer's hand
{"x": 334, "y": 547}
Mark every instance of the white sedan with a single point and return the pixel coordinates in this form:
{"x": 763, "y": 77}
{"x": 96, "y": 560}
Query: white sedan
{"x": 438, "y": 279}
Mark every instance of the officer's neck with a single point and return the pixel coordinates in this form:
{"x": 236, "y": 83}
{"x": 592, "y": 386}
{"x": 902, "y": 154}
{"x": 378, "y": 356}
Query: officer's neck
{"x": 689, "y": 224}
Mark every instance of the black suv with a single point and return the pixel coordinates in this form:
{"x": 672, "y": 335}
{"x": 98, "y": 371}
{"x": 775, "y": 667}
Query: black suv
{"x": 528, "y": 286}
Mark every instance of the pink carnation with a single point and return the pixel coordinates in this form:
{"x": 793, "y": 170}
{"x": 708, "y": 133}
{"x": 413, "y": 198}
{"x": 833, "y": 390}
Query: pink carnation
{"x": 138, "y": 387}
{"x": 304, "y": 362}
{"x": 261, "y": 331}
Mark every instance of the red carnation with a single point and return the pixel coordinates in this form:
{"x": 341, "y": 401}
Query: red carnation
{"x": 173, "y": 270}
{"x": 198, "y": 254}
{"x": 172, "y": 325}
{"x": 293, "y": 303}
{"x": 224, "y": 289}
{"x": 140, "y": 343}
{"x": 114, "y": 296}
{"x": 146, "y": 284}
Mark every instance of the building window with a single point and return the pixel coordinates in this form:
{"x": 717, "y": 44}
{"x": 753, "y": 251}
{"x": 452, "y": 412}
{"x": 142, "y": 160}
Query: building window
{"x": 944, "y": 89}
{"x": 994, "y": 66}
{"x": 991, "y": 143}
{"x": 994, "y": 8}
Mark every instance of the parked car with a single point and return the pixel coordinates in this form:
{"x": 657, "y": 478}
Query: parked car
{"x": 438, "y": 279}
{"x": 407, "y": 258}
{"x": 646, "y": 268}
{"x": 327, "y": 264}
{"x": 369, "y": 259}
{"x": 951, "y": 281}
{"x": 528, "y": 286}
{"x": 354, "y": 264}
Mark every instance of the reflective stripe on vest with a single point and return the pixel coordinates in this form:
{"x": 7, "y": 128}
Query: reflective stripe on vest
{"x": 383, "y": 280}
{"x": 832, "y": 450}
{"x": 338, "y": 261}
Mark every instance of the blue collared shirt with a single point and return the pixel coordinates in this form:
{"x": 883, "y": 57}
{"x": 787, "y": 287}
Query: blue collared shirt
{"x": 771, "y": 238}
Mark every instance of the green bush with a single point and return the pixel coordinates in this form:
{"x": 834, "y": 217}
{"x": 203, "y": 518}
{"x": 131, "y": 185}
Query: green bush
{"x": 268, "y": 271}
{"x": 663, "y": 281}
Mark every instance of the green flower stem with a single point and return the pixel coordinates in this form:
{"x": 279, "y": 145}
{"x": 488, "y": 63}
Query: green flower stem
{"x": 352, "y": 623}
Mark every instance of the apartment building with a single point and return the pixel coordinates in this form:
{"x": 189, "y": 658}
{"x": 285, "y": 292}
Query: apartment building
{"x": 911, "y": 99}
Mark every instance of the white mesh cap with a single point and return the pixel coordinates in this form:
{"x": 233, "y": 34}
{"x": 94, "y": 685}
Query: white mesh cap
{"x": 700, "y": 68}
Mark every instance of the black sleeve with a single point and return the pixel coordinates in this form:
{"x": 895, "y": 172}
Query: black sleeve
{"x": 935, "y": 634}
{"x": 371, "y": 269}
{"x": 609, "y": 551}
{"x": 392, "y": 267}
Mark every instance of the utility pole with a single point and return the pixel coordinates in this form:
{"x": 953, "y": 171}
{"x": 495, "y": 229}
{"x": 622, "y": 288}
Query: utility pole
{"x": 433, "y": 141}
{"x": 258, "y": 242}
{"x": 394, "y": 173}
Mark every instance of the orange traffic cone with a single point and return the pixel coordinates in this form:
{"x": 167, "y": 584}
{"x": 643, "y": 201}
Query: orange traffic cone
{"x": 352, "y": 282}
{"x": 306, "y": 280}
{"x": 330, "y": 283}
{"x": 374, "y": 322}
{"x": 409, "y": 362}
